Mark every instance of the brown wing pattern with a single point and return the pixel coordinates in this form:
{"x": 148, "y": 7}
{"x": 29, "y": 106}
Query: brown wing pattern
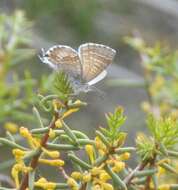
{"x": 64, "y": 58}
{"x": 95, "y": 58}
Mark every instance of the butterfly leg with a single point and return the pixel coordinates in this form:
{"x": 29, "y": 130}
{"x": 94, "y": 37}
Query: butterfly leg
{"x": 99, "y": 92}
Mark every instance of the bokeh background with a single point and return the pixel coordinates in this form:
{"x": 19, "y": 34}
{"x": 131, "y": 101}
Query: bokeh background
{"x": 73, "y": 22}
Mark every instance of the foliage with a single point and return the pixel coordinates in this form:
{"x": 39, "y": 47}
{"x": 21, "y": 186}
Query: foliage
{"x": 164, "y": 130}
{"x": 160, "y": 69}
{"x": 160, "y": 74}
{"x": 63, "y": 86}
{"x": 15, "y": 34}
{"x": 105, "y": 165}
{"x": 58, "y": 145}
{"x": 114, "y": 122}
{"x": 159, "y": 65}
{"x": 145, "y": 147}
{"x": 17, "y": 88}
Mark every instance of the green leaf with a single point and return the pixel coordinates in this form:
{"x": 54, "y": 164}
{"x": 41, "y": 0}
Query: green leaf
{"x": 146, "y": 172}
{"x": 103, "y": 138}
{"x": 11, "y": 144}
{"x": 63, "y": 86}
{"x": 164, "y": 131}
{"x": 169, "y": 168}
{"x": 70, "y": 133}
{"x": 145, "y": 147}
{"x": 36, "y": 113}
{"x": 10, "y": 136}
{"x": 64, "y": 147}
{"x": 116, "y": 179}
{"x": 115, "y": 121}
{"x": 80, "y": 162}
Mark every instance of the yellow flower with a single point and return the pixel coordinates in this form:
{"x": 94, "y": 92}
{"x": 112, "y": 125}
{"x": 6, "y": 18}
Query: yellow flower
{"x": 52, "y": 133}
{"x": 78, "y": 102}
{"x": 96, "y": 171}
{"x": 164, "y": 187}
{"x": 161, "y": 171}
{"x": 107, "y": 186}
{"x": 118, "y": 166}
{"x": 15, "y": 174}
{"x": 102, "y": 149}
{"x": 104, "y": 176}
{"x": 125, "y": 156}
{"x": 76, "y": 175}
{"x": 57, "y": 162}
{"x": 24, "y": 132}
{"x": 58, "y": 123}
{"x": 11, "y": 127}
{"x": 69, "y": 112}
{"x": 86, "y": 177}
{"x": 90, "y": 152}
{"x": 33, "y": 142}
{"x": 20, "y": 167}
{"x": 53, "y": 154}
{"x": 58, "y": 104}
{"x": 44, "y": 184}
{"x": 111, "y": 161}
{"x": 72, "y": 183}
{"x": 18, "y": 154}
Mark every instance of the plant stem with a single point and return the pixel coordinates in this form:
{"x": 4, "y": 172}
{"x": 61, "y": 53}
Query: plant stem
{"x": 148, "y": 180}
{"x": 34, "y": 161}
{"x": 83, "y": 186}
{"x": 129, "y": 178}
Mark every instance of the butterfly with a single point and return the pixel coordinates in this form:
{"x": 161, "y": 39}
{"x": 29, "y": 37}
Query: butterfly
{"x": 84, "y": 67}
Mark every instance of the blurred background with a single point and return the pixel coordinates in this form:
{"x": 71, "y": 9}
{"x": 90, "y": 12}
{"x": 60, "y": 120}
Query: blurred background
{"x": 42, "y": 23}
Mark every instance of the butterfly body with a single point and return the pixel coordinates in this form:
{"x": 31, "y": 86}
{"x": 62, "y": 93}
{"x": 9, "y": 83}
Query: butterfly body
{"x": 84, "y": 67}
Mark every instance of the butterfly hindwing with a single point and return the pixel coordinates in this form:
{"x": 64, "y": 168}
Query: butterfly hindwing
{"x": 94, "y": 58}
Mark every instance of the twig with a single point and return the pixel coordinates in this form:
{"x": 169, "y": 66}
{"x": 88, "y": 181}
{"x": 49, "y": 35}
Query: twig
{"x": 63, "y": 173}
{"x": 34, "y": 162}
{"x": 129, "y": 178}
{"x": 148, "y": 180}
{"x": 83, "y": 186}
{"x": 6, "y": 179}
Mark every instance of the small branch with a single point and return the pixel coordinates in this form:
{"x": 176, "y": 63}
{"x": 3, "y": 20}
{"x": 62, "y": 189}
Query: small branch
{"x": 63, "y": 173}
{"x": 148, "y": 180}
{"x": 34, "y": 162}
{"x": 129, "y": 178}
{"x": 7, "y": 179}
{"x": 83, "y": 186}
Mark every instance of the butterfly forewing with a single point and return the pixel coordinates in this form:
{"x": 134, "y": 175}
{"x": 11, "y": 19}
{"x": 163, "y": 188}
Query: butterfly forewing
{"x": 94, "y": 58}
{"x": 64, "y": 58}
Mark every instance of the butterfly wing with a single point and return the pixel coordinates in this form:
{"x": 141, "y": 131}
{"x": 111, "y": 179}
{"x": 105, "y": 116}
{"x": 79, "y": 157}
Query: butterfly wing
{"x": 63, "y": 58}
{"x": 98, "y": 78}
{"x": 95, "y": 58}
